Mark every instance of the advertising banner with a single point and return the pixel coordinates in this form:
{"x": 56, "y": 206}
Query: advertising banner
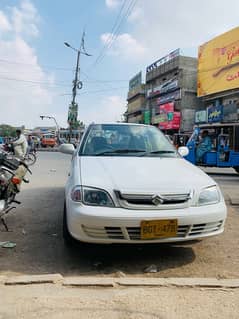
{"x": 218, "y": 64}
{"x": 173, "y": 124}
{"x": 163, "y": 60}
{"x": 166, "y": 108}
{"x": 201, "y": 117}
{"x": 230, "y": 113}
{"x": 167, "y": 119}
{"x": 215, "y": 113}
{"x": 147, "y": 117}
{"x": 160, "y": 118}
{"x": 163, "y": 88}
{"x": 72, "y": 114}
{"x": 169, "y": 97}
{"x": 135, "y": 81}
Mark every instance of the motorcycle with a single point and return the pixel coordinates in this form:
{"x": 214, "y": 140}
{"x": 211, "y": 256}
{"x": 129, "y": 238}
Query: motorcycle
{"x": 12, "y": 174}
{"x": 30, "y": 157}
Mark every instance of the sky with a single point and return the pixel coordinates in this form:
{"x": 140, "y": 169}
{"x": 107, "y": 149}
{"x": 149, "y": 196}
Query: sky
{"x": 123, "y": 37}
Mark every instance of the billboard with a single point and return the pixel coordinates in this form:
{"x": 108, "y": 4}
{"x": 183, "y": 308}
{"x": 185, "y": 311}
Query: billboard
{"x": 135, "y": 81}
{"x": 215, "y": 113}
{"x": 173, "y": 123}
{"x": 166, "y": 87}
{"x": 201, "y": 117}
{"x": 230, "y": 113}
{"x": 218, "y": 64}
{"x": 168, "y": 119}
{"x": 147, "y": 117}
{"x": 176, "y": 95}
{"x": 163, "y": 60}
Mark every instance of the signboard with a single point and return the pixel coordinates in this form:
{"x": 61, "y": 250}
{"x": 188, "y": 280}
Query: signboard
{"x": 163, "y": 60}
{"x": 147, "y": 117}
{"x": 166, "y": 108}
{"x": 135, "y": 81}
{"x": 215, "y": 113}
{"x": 167, "y": 119}
{"x": 72, "y": 114}
{"x": 163, "y": 88}
{"x": 201, "y": 117}
{"x": 160, "y": 118}
{"x": 169, "y": 97}
{"x": 173, "y": 124}
{"x": 218, "y": 64}
{"x": 230, "y": 113}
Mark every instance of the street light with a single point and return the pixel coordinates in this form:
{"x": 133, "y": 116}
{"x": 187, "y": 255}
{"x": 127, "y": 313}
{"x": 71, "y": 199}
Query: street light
{"x": 57, "y": 126}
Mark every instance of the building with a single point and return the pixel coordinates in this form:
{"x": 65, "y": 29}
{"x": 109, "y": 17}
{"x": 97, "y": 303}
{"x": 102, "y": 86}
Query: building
{"x": 171, "y": 93}
{"x": 218, "y": 79}
{"x": 136, "y": 100}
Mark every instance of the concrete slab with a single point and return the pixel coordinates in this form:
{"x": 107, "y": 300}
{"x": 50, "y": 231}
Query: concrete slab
{"x": 34, "y": 279}
{"x": 88, "y": 281}
{"x": 179, "y": 282}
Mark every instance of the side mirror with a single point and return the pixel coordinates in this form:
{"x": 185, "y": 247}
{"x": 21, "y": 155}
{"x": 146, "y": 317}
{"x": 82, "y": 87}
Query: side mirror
{"x": 67, "y": 149}
{"x": 183, "y": 151}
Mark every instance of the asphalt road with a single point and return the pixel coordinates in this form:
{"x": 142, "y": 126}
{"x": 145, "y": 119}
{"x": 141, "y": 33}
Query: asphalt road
{"x": 36, "y": 229}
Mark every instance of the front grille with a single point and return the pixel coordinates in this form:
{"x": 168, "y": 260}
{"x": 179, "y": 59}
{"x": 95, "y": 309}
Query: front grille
{"x": 133, "y": 233}
{"x": 154, "y": 201}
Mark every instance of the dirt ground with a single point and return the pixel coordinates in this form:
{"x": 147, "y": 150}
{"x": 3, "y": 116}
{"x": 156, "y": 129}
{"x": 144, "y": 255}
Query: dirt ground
{"x": 52, "y": 301}
{"x": 36, "y": 229}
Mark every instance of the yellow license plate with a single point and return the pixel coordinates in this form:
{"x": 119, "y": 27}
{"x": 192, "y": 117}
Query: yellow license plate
{"x": 153, "y": 229}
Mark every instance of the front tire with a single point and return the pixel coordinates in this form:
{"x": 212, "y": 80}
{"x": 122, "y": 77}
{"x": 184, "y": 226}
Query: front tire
{"x": 30, "y": 159}
{"x": 69, "y": 241}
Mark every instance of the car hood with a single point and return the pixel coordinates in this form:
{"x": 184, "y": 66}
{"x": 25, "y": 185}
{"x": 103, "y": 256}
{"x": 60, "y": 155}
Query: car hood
{"x": 142, "y": 174}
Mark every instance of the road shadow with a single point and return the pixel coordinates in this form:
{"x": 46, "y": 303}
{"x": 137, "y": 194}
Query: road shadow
{"x": 37, "y": 230}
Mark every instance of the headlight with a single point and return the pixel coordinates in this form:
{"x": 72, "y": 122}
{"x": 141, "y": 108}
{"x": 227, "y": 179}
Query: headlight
{"x": 209, "y": 196}
{"x": 76, "y": 194}
{"x": 91, "y": 196}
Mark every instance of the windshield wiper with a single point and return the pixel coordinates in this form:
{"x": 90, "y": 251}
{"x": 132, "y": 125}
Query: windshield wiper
{"x": 120, "y": 151}
{"x": 158, "y": 152}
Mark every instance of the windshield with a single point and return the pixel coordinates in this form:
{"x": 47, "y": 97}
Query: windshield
{"x": 126, "y": 140}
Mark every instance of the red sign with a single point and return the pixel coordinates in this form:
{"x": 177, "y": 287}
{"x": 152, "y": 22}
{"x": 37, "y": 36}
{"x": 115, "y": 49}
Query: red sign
{"x": 166, "y": 108}
{"x": 174, "y": 124}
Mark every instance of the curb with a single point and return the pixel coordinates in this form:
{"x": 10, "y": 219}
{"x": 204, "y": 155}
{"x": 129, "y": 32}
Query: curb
{"x": 234, "y": 201}
{"x": 89, "y": 282}
{"x": 109, "y": 282}
{"x": 33, "y": 279}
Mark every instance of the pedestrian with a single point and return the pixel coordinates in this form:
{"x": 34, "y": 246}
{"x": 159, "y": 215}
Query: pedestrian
{"x": 204, "y": 146}
{"x": 20, "y": 145}
{"x": 30, "y": 143}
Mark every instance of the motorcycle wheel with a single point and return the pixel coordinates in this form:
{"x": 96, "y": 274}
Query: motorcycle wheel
{"x": 30, "y": 159}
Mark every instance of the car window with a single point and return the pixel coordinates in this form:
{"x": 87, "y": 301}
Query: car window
{"x": 125, "y": 140}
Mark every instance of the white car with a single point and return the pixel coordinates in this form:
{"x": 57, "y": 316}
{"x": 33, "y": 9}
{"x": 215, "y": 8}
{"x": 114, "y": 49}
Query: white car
{"x": 128, "y": 184}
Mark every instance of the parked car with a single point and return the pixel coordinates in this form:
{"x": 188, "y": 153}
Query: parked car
{"x": 137, "y": 188}
{"x": 48, "y": 140}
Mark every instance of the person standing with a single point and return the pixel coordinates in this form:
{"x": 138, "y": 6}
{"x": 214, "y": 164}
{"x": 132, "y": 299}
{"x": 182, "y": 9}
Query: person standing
{"x": 30, "y": 143}
{"x": 20, "y": 145}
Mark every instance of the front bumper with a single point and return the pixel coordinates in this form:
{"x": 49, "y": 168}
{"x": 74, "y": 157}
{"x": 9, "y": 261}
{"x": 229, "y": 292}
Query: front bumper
{"x": 119, "y": 225}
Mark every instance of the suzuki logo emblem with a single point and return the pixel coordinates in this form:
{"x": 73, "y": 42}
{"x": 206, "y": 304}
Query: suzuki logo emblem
{"x": 156, "y": 200}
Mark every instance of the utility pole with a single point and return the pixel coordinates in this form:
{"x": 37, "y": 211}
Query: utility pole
{"x": 77, "y": 85}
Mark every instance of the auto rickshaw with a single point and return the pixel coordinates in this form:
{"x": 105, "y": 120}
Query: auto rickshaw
{"x": 225, "y": 145}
